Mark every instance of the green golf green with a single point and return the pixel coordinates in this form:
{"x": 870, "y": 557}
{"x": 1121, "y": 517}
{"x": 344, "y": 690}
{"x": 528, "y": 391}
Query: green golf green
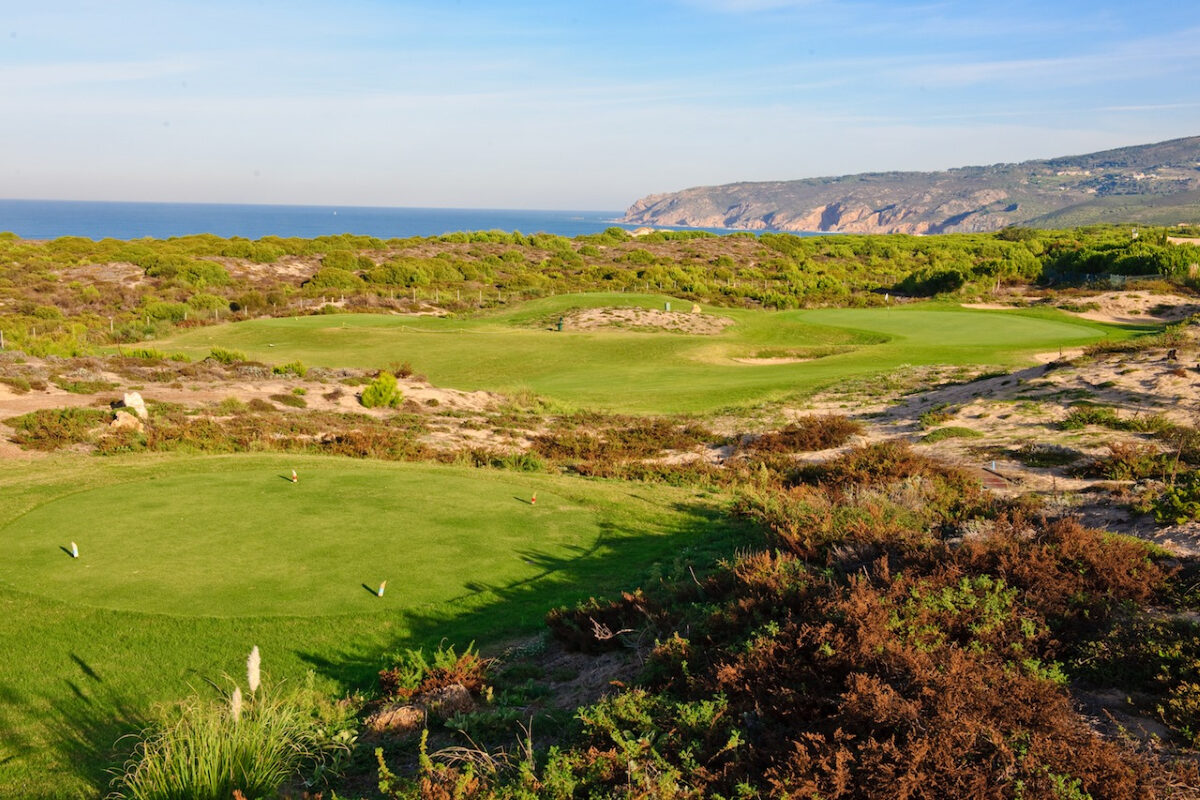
{"x": 244, "y": 540}
{"x": 661, "y": 372}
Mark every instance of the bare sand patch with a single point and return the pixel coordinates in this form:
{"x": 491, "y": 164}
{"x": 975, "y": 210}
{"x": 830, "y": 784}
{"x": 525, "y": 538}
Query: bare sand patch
{"x": 1065, "y": 354}
{"x": 1132, "y": 308}
{"x": 768, "y": 361}
{"x": 989, "y": 306}
{"x": 645, "y": 318}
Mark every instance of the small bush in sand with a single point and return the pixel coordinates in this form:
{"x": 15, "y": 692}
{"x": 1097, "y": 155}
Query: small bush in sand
{"x": 382, "y": 392}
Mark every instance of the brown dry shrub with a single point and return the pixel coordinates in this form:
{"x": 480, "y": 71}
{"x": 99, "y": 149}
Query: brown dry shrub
{"x": 468, "y": 670}
{"x": 568, "y": 446}
{"x": 595, "y": 626}
{"x": 1130, "y": 462}
{"x": 1064, "y": 570}
{"x": 807, "y": 434}
{"x": 892, "y": 690}
{"x": 52, "y": 428}
{"x": 808, "y": 521}
{"x": 882, "y": 462}
{"x": 608, "y": 441}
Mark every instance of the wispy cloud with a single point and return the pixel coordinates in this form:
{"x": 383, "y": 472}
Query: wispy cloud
{"x": 1136, "y": 58}
{"x": 750, "y": 6}
{"x": 80, "y": 73}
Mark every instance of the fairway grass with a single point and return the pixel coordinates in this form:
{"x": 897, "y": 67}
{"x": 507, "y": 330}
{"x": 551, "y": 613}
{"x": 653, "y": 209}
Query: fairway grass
{"x": 657, "y": 372}
{"x": 164, "y": 598}
{"x": 246, "y": 541}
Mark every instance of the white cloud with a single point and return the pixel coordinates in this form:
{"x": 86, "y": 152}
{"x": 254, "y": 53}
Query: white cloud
{"x": 751, "y": 6}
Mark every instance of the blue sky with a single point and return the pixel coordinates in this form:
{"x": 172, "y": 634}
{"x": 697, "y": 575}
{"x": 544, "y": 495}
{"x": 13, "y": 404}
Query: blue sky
{"x": 581, "y": 105}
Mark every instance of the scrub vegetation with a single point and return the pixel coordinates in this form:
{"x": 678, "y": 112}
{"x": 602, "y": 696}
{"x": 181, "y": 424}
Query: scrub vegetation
{"x": 667, "y": 516}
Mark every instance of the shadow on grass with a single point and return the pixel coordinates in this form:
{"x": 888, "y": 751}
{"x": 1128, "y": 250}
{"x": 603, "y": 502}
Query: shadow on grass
{"x": 623, "y": 557}
{"x": 93, "y": 730}
{"x": 83, "y": 712}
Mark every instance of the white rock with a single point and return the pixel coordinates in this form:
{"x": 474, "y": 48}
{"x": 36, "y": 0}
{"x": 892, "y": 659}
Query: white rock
{"x": 134, "y": 402}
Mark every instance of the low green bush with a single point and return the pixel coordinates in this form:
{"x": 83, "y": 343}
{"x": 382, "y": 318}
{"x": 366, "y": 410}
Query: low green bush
{"x": 51, "y": 428}
{"x": 223, "y": 356}
{"x": 296, "y": 368}
{"x": 18, "y": 384}
{"x": 382, "y": 392}
{"x": 1175, "y": 503}
{"x": 412, "y": 672}
{"x": 82, "y": 386}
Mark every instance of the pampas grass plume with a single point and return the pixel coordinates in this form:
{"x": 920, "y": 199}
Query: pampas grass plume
{"x": 235, "y": 703}
{"x": 253, "y": 663}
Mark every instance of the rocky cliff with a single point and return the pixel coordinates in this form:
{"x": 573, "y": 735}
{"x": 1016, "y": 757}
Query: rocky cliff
{"x": 1156, "y": 183}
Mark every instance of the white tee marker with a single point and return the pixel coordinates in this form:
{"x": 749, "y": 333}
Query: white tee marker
{"x": 74, "y": 550}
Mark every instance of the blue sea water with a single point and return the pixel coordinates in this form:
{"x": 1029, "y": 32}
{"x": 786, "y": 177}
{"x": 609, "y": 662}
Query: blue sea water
{"x": 49, "y": 219}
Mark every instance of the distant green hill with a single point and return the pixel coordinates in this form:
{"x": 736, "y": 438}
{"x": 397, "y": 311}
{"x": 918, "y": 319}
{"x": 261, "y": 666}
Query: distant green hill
{"x": 1150, "y": 184}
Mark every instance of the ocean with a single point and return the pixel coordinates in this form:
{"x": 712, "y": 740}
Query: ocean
{"x": 50, "y": 219}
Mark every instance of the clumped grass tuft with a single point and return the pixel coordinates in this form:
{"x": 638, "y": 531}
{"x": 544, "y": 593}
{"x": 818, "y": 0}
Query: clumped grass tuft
{"x": 936, "y": 415}
{"x": 210, "y": 750}
{"x": 1040, "y": 454}
{"x": 296, "y": 368}
{"x": 82, "y": 386}
{"x": 1171, "y": 336}
{"x": 951, "y": 432}
{"x": 1083, "y": 414}
{"x": 231, "y": 405}
{"x": 224, "y": 356}
{"x": 18, "y": 384}
{"x": 292, "y": 400}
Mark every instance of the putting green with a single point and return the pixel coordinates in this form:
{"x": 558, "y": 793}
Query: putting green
{"x": 243, "y": 540}
{"x": 657, "y": 372}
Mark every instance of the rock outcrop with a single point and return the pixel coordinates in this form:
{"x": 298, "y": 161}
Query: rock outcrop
{"x": 1158, "y": 183}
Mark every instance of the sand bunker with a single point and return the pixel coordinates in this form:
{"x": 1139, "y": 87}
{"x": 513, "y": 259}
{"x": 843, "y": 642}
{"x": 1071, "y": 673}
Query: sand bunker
{"x": 695, "y": 323}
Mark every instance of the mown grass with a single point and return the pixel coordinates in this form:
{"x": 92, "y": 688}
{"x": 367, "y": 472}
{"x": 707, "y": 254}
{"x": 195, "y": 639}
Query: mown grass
{"x": 79, "y": 675}
{"x": 512, "y": 350}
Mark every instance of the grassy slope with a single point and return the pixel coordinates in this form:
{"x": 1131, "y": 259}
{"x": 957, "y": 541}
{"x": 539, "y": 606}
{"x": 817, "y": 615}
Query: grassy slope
{"x": 78, "y": 676}
{"x": 655, "y": 373}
